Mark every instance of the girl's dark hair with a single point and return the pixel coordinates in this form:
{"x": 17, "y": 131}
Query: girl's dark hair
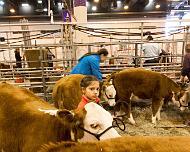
{"x": 87, "y": 80}
{"x": 99, "y": 52}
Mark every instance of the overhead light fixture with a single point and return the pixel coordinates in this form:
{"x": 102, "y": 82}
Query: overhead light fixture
{"x": 26, "y": 8}
{"x": 12, "y": 10}
{"x": 94, "y": 8}
{"x": 87, "y": 4}
{"x": 39, "y": 1}
{"x": 60, "y": 6}
{"x": 2, "y": 3}
{"x": 126, "y": 7}
{"x": 150, "y": 5}
{"x": 157, "y": 6}
{"x": 25, "y": 5}
{"x": 45, "y": 9}
{"x": 119, "y": 4}
{"x": 96, "y": 1}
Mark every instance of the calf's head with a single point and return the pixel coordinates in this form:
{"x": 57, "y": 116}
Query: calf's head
{"x": 108, "y": 94}
{"x": 98, "y": 123}
{"x": 91, "y": 123}
{"x": 181, "y": 99}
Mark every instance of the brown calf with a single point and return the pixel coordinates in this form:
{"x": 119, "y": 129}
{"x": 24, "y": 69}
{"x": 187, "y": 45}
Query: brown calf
{"x": 144, "y": 84}
{"x": 125, "y": 144}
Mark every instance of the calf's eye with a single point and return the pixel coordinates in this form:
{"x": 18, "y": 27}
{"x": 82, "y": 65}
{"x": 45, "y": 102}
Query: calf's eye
{"x": 94, "y": 126}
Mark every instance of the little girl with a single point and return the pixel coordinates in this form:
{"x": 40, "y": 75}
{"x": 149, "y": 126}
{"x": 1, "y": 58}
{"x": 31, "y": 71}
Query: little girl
{"x": 90, "y": 89}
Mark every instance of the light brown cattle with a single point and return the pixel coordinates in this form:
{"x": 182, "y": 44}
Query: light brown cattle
{"x": 125, "y": 144}
{"x": 144, "y": 84}
{"x": 27, "y": 122}
{"x": 67, "y": 92}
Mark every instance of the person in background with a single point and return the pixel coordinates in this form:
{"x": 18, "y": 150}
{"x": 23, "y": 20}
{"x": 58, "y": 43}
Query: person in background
{"x": 185, "y": 71}
{"x": 18, "y": 58}
{"x": 151, "y": 51}
{"x": 89, "y": 64}
{"x": 50, "y": 57}
{"x": 90, "y": 90}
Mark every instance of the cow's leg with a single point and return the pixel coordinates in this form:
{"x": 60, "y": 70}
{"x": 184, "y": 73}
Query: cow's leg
{"x": 158, "y": 113}
{"x": 125, "y": 106}
{"x": 156, "y": 106}
{"x": 130, "y": 116}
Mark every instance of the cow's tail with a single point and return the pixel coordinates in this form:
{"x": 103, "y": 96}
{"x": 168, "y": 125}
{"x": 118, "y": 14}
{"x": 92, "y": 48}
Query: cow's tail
{"x": 57, "y": 95}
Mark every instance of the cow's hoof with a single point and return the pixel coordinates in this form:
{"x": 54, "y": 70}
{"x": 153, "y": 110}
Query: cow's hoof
{"x": 154, "y": 121}
{"x": 132, "y": 121}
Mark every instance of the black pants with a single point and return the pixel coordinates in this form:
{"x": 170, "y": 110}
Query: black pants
{"x": 155, "y": 60}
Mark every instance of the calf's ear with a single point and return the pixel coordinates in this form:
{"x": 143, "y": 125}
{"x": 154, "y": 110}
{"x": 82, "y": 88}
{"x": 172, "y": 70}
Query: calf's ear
{"x": 66, "y": 114}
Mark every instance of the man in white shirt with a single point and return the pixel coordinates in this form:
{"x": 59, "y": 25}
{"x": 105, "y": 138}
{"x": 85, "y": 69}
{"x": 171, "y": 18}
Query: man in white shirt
{"x": 151, "y": 51}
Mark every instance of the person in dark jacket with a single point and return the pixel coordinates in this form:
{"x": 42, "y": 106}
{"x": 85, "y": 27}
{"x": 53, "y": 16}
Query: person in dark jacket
{"x": 89, "y": 64}
{"x": 50, "y": 57}
{"x": 18, "y": 58}
{"x": 186, "y": 65}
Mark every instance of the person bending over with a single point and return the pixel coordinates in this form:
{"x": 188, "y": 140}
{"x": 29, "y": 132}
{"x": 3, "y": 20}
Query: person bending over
{"x": 89, "y": 64}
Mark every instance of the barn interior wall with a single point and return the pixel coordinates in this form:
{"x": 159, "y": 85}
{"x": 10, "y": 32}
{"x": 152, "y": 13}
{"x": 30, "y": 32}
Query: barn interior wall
{"x": 119, "y": 46}
{"x": 122, "y": 26}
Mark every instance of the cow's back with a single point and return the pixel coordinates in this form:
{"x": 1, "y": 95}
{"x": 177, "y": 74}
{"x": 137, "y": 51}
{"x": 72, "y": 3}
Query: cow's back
{"x": 21, "y": 121}
{"x": 125, "y": 144}
{"x": 143, "y": 83}
{"x": 67, "y": 92}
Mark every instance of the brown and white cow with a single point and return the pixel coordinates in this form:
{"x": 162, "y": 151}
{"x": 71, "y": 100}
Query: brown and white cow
{"x": 27, "y": 122}
{"x": 125, "y": 144}
{"x": 67, "y": 92}
{"x": 144, "y": 84}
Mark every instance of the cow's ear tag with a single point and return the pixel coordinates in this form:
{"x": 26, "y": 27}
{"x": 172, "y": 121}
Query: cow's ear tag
{"x": 65, "y": 114}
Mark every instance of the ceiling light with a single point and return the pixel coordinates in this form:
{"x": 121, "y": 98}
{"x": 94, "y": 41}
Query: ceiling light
{"x": 39, "y": 1}
{"x": 25, "y": 5}
{"x": 119, "y": 4}
{"x": 45, "y": 10}
{"x": 126, "y": 7}
{"x": 96, "y": 1}
{"x": 26, "y": 8}
{"x": 94, "y": 8}
{"x": 2, "y": 3}
{"x": 60, "y": 6}
{"x": 12, "y": 10}
{"x": 157, "y": 6}
{"x": 87, "y": 4}
{"x": 150, "y": 5}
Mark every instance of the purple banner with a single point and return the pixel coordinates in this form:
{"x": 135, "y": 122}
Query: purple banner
{"x": 79, "y": 3}
{"x": 66, "y": 16}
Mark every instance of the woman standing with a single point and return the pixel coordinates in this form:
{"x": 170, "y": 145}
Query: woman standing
{"x": 186, "y": 64}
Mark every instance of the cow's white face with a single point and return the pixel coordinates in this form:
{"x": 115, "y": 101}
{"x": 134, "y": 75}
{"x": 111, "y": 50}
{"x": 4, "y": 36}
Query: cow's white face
{"x": 181, "y": 99}
{"x": 96, "y": 121}
{"x": 109, "y": 94}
